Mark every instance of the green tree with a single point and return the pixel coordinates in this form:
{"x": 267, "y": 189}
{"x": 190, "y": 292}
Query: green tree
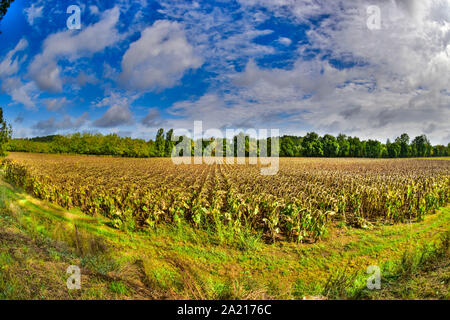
{"x": 151, "y": 148}
{"x": 356, "y": 147}
{"x": 160, "y": 143}
{"x": 405, "y": 148}
{"x": 344, "y": 145}
{"x": 393, "y": 149}
{"x": 287, "y": 148}
{"x": 312, "y": 146}
{"x": 440, "y": 151}
{"x": 5, "y": 134}
{"x": 169, "y": 143}
{"x": 330, "y": 146}
{"x": 384, "y": 153}
{"x": 373, "y": 149}
{"x": 420, "y": 146}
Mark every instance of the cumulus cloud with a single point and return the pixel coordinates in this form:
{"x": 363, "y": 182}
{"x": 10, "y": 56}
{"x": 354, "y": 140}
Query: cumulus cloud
{"x": 115, "y": 116}
{"x": 20, "y": 92}
{"x": 218, "y": 111}
{"x": 67, "y": 123}
{"x": 152, "y": 119}
{"x": 72, "y": 45}
{"x": 55, "y": 104}
{"x": 407, "y": 61}
{"x": 115, "y": 98}
{"x": 341, "y": 77}
{"x": 24, "y": 93}
{"x": 371, "y": 83}
{"x": 159, "y": 58}
{"x": 221, "y": 37}
{"x": 83, "y": 78}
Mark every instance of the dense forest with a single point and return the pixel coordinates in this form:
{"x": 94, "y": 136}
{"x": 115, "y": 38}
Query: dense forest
{"x": 311, "y": 145}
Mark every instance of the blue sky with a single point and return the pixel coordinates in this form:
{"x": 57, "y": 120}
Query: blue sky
{"x": 297, "y": 66}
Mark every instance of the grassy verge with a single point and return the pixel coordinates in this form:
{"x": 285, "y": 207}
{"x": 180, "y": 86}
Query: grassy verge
{"x": 38, "y": 241}
{"x": 420, "y": 274}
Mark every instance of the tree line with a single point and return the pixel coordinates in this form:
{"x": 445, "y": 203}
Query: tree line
{"x": 311, "y": 145}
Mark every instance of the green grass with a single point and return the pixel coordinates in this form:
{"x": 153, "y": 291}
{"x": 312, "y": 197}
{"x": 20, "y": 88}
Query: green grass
{"x": 423, "y": 273}
{"x": 118, "y": 287}
{"x": 179, "y": 262}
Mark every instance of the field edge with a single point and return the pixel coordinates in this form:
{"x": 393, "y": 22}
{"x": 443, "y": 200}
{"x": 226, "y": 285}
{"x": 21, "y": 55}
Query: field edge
{"x": 40, "y": 240}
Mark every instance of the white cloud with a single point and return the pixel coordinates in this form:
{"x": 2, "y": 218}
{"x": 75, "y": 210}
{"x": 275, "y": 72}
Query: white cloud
{"x": 285, "y": 41}
{"x": 67, "y": 123}
{"x": 109, "y": 72}
{"x": 115, "y": 116}
{"x": 24, "y": 93}
{"x": 152, "y": 119}
{"x": 83, "y": 78}
{"x": 222, "y": 39}
{"x": 302, "y": 10}
{"x": 20, "y": 92}
{"x": 33, "y": 13}
{"x": 159, "y": 58}
{"x": 94, "y": 10}
{"x": 55, "y": 104}
{"x": 8, "y": 65}
{"x": 72, "y": 45}
{"x": 112, "y": 98}
{"x": 396, "y": 80}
